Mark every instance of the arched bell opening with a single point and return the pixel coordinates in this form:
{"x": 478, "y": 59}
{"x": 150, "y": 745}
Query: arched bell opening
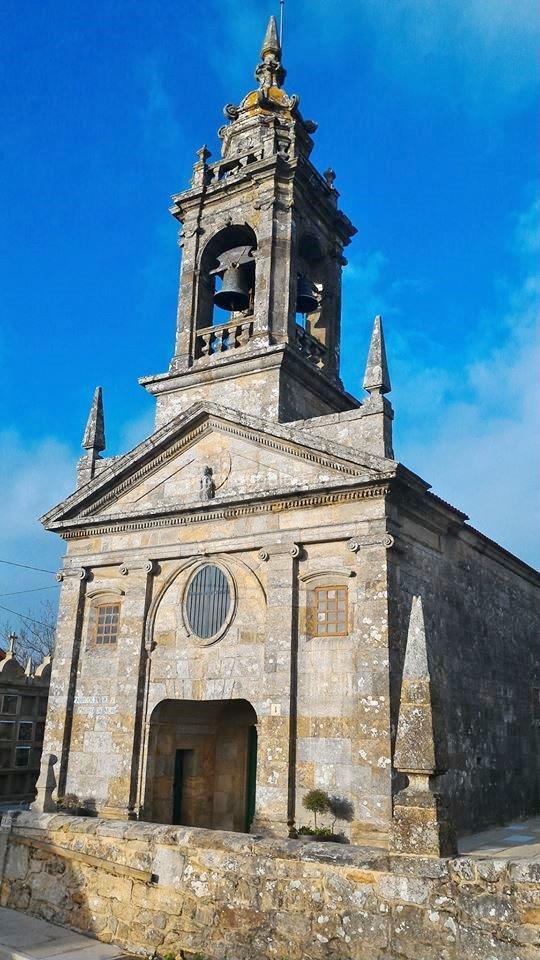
{"x": 310, "y": 281}
{"x": 312, "y": 315}
{"x": 226, "y": 290}
{"x": 202, "y": 760}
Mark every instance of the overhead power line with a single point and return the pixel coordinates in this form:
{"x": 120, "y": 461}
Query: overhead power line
{"x": 24, "y": 617}
{"x": 27, "y": 566}
{"x": 15, "y": 593}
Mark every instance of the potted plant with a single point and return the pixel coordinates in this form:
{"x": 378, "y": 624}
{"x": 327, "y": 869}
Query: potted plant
{"x": 320, "y": 802}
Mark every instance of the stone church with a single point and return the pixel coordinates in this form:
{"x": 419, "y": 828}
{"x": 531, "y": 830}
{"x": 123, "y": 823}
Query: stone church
{"x": 238, "y": 590}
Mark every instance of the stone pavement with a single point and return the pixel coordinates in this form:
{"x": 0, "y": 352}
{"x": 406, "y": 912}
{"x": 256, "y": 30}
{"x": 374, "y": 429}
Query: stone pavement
{"x": 515, "y": 841}
{"x": 27, "y": 938}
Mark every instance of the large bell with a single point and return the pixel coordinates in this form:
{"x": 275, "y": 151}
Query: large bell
{"x": 306, "y": 301}
{"x": 234, "y": 292}
{"x": 235, "y": 288}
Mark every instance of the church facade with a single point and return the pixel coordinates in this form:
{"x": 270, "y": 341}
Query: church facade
{"x": 237, "y": 590}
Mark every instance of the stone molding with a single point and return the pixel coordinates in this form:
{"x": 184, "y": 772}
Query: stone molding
{"x": 245, "y": 433}
{"x": 95, "y": 526}
{"x": 385, "y": 540}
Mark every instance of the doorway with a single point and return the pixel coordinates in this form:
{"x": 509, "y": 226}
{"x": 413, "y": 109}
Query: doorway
{"x": 202, "y": 764}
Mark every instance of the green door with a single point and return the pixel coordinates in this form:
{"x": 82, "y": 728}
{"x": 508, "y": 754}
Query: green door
{"x": 178, "y": 785}
{"x": 251, "y": 777}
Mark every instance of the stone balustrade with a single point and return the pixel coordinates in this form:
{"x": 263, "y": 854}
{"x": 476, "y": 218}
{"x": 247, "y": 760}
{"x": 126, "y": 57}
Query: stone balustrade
{"x": 227, "y": 336}
{"x": 310, "y": 347}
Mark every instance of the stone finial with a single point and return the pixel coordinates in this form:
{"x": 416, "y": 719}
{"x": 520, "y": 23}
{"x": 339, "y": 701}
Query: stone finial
{"x": 47, "y": 785}
{"x": 94, "y": 434}
{"x": 203, "y": 153}
{"x": 270, "y": 72}
{"x": 271, "y": 44}
{"x": 420, "y": 824}
{"x": 12, "y": 640}
{"x": 376, "y": 376}
{"x": 28, "y": 668}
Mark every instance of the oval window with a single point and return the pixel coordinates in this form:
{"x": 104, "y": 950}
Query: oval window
{"x": 207, "y": 601}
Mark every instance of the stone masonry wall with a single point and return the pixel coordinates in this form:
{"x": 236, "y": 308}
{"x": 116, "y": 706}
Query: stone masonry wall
{"x": 231, "y": 896}
{"x": 480, "y": 611}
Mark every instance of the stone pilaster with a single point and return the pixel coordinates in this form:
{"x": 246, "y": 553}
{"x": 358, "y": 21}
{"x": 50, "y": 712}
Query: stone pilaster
{"x": 277, "y": 726}
{"x": 126, "y": 726}
{"x": 62, "y": 688}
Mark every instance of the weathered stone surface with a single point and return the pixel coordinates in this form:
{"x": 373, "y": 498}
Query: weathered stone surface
{"x": 273, "y": 898}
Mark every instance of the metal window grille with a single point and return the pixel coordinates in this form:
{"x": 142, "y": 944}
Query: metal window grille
{"x": 331, "y": 611}
{"x": 108, "y": 616}
{"x": 207, "y": 602}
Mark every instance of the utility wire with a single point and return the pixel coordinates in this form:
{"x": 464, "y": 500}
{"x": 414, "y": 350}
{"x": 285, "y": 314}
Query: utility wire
{"x": 27, "y": 566}
{"x": 15, "y": 593}
{"x": 24, "y": 617}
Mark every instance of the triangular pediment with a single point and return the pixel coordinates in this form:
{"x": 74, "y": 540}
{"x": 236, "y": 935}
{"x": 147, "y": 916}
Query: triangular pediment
{"x": 248, "y": 457}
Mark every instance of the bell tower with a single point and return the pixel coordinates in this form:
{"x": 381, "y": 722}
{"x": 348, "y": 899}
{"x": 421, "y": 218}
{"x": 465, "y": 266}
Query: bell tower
{"x": 262, "y": 239}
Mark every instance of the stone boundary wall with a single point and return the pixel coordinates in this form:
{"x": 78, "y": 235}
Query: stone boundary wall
{"x": 229, "y": 896}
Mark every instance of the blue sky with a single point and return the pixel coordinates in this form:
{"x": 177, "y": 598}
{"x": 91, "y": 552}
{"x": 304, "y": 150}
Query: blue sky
{"x": 427, "y": 113}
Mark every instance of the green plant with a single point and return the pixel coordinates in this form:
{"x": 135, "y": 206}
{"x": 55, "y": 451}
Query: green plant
{"x": 316, "y": 801}
{"x": 70, "y": 801}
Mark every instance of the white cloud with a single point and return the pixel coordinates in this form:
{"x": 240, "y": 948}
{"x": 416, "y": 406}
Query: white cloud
{"x": 472, "y": 433}
{"x": 137, "y": 430}
{"x": 479, "y": 55}
{"x": 34, "y": 478}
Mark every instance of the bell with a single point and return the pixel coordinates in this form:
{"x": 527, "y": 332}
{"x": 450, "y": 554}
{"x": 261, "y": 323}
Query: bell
{"x": 234, "y": 292}
{"x": 235, "y": 288}
{"x": 306, "y": 301}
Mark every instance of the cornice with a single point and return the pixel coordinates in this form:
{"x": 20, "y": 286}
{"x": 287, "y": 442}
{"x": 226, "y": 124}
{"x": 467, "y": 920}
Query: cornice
{"x": 214, "y": 423}
{"x": 90, "y": 526}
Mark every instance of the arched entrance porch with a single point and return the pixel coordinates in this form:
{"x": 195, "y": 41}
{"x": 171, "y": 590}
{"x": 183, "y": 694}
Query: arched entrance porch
{"x": 202, "y": 764}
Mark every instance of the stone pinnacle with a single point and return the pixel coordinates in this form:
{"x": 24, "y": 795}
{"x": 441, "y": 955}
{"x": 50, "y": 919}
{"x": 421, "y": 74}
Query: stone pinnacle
{"x": 94, "y": 434}
{"x": 376, "y": 376}
{"x": 271, "y": 41}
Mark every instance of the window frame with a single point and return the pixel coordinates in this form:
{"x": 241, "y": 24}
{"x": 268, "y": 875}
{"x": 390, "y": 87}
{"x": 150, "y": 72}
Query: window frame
{"x": 106, "y": 605}
{"x": 25, "y": 740}
{"x": 18, "y": 750}
{"x": 326, "y": 579}
{"x": 12, "y": 734}
{"x": 314, "y": 595}
{"x": 102, "y": 597}
{"x": 10, "y": 696}
{"x": 220, "y": 632}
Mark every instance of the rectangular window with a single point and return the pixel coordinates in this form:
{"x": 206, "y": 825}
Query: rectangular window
{"x": 108, "y": 616}
{"x": 331, "y": 611}
{"x": 22, "y": 756}
{"x": 27, "y": 706}
{"x": 21, "y": 783}
{"x": 40, "y": 731}
{"x": 9, "y": 703}
{"x": 5, "y": 757}
{"x": 7, "y": 729}
{"x": 25, "y": 730}
{"x": 536, "y": 703}
{"x": 42, "y": 706}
